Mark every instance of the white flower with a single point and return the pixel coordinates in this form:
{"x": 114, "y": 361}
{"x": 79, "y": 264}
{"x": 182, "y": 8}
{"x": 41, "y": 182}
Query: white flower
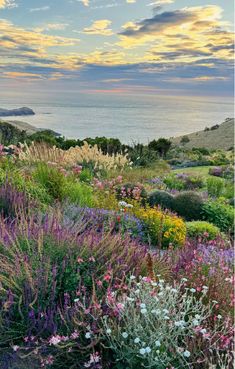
{"x": 219, "y": 316}
{"x": 184, "y": 280}
{"x": 108, "y": 331}
{"x": 137, "y": 340}
{"x": 154, "y": 284}
{"x": 142, "y": 351}
{"x": 122, "y": 203}
{"x": 195, "y": 322}
{"x": 160, "y": 294}
{"x": 161, "y": 281}
{"x": 166, "y": 317}
{"x": 143, "y": 306}
{"x": 132, "y": 277}
{"x": 165, "y": 311}
{"x": 203, "y": 331}
{"x": 148, "y": 350}
{"x": 153, "y": 311}
{"x": 186, "y": 353}
{"x": 174, "y": 290}
{"x": 88, "y": 335}
{"x": 197, "y": 316}
{"x": 192, "y": 290}
{"x": 130, "y": 206}
{"x": 76, "y": 300}
{"x": 168, "y": 288}
{"x": 124, "y": 334}
{"x": 137, "y": 292}
{"x": 143, "y": 311}
{"x": 158, "y": 343}
{"x": 15, "y": 348}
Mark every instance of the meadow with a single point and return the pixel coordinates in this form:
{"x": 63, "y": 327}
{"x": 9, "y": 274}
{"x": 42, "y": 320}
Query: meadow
{"x": 115, "y": 257}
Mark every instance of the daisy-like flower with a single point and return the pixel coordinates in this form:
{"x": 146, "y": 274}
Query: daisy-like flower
{"x": 124, "y": 334}
{"x": 143, "y": 311}
{"x": 137, "y": 340}
{"x": 142, "y": 351}
{"x": 108, "y": 331}
{"x": 88, "y": 335}
{"x": 148, "y": 350}
{"x": 157, "y": 343}
{"x": 187, "y": 353}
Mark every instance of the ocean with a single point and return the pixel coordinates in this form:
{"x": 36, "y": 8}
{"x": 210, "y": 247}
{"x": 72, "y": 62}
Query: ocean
{"x": 131, "y": 118}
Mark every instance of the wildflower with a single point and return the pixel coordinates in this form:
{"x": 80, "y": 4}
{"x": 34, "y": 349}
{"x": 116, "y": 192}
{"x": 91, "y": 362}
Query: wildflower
{"x": 94, "y": 359}
{"x": 108, "y": 331}
{"x": 143, "y": 311}
{"x": 107, "y": 277}
{"x": 54, "y": 340}
{"x": 203, "y": 331}
{"x": 143, "y": 306}
{"x": 88, "y": 335}
{"x": 148, "y": 350}
{"x": 186, "y": 353}
{"x": 76, "y": 300}
{"x": 192, "y": 290}
{"x": 74, "y": 335}
{"x": 80, "y": 260}
{"x": 132, "y": 277}
{"x": 15, "y": 348}
{"x": 142, "y": 351}
{"x": 158, "y": 343}
{"x": 137, "y": 340}
{"x": 124, "y": 334}
{"x": 195, "y": 322}
{"x": 219, "y": 316}
{"x": 122, "y": 203}
{"x": 184, "y": 280}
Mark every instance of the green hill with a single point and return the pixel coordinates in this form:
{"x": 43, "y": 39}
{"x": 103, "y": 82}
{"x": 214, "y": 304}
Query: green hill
{"x": 217, "y": 137}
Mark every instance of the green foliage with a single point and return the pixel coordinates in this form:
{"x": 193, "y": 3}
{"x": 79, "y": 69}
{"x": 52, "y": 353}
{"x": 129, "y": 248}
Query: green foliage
{"x": 162, "y": 146}
{"x": 10, "y": 135}
{"x": 142, "y": 156}
{"x": 215, "y": 186}
{"x": 184, "y": 140}
{"x": 51, "y": 179}
{"x": 47, "y": 136}
{"x": 220, "y": 214}
{"x": 162, "y": 198}
{"x": 189, "y": 205}
{"x": 86, "y": 175}
{"x": 79, "y": 193}
{"x": 174, "y": 183}
{"x": 202, "y": 229}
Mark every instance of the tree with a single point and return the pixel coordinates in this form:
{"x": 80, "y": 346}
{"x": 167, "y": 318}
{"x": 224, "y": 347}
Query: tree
{"x": 162, "y": 146}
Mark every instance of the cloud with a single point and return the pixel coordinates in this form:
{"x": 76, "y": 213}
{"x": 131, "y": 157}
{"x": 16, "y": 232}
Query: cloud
{"x": 161, "y": 2}
{"x": 85, "y": 2}
{"x": 43, "y": 8}
{"x": 99, "y": 27}
{"x": 8, "y": 4}
{"x": 51, "y": 27}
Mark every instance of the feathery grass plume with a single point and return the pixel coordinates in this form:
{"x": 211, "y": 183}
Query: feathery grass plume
{"x": 39, "y": 151}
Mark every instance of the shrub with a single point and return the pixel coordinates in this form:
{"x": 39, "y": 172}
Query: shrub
{"x": 51, "y": 179}
{"x": 188, "y": 205}
{"x": 78, "y": 193}
{"x": 162, "y": 228}
{"x": 215, "y": 186}
{"x": 162, "y": 198}
{"x": 220, "y": 214}
{"x": 161, "y": 326}
{"x": 173, "y": 182}
{"x": 202, "y": 229}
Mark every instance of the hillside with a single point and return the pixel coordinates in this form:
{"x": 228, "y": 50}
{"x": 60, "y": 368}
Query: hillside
{"x": 22, "y": 126}
{"x": 216, "y": 138}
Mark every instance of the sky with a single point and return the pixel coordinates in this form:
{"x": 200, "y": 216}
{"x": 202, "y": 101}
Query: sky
{"x": 166, "y": 47}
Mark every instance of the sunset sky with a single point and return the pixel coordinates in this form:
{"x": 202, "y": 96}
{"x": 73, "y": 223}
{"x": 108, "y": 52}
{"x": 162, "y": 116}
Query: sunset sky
{"x": 118, "y": 46}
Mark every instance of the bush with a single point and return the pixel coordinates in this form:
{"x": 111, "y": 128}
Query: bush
{"x": 215, "y": 186}
{"x": 162, "y": 198}
{"x": 154, "y": 324}
{"x": 188, "y": 205}
{"x": 183, "y": 181}
{"x": 78, "y": 193}
{"x": 202, "y": 229}
{"x": 51, "y": 179}
{"x": 220, "y": 214}
{"x": 162, "y": 228}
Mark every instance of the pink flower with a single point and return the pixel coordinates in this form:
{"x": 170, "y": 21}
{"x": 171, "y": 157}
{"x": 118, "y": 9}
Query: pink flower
{"x": 80, "y": 260}
{"x": 55, "y": 340}
{"x": 107, "y": 277}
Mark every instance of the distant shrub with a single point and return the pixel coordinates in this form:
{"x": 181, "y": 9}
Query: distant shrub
{"x": 173, "y": 182}
{"x": 86, "y": 175}
{"x": 184, "y": 140}
{"x": 188, "y": 205}
{"x": 202, "y": 229}
{"x": 216, "y": 126}
{"x": 215, "y": 186}
{"x": 162, "y": 198}
{"x": 183, "y": 181}
{"x": 162, "y": 228}
{"x": 220, "y": 214}
{"x": 222, "y": 171}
